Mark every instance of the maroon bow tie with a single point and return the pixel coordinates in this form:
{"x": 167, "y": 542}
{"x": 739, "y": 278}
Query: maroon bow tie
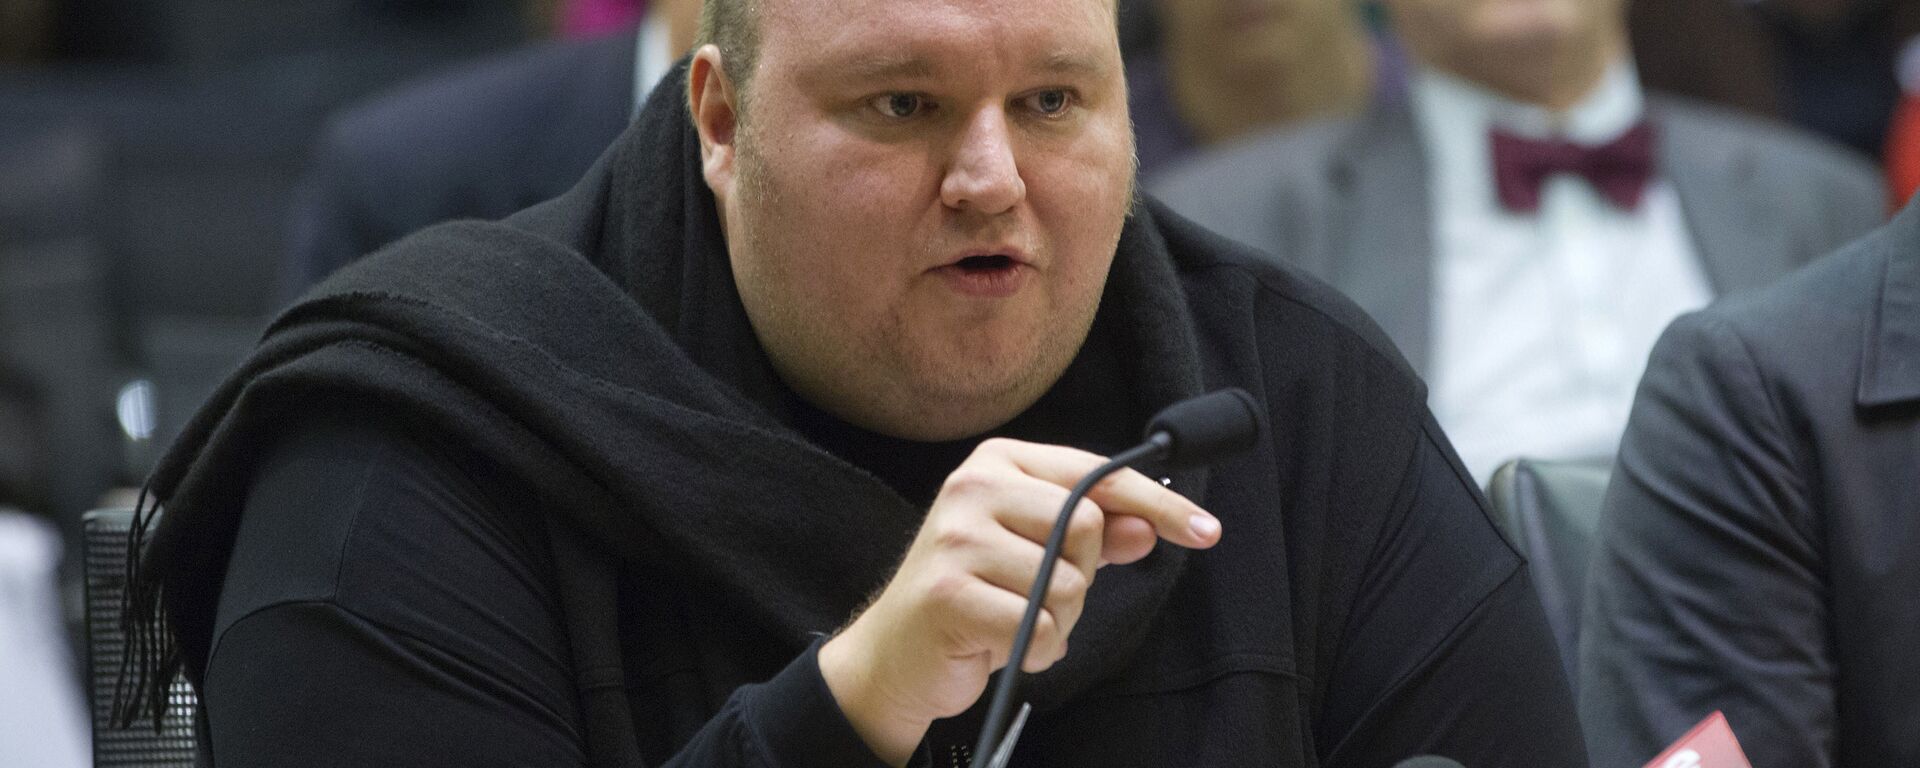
{"x": 1619, "y": 169}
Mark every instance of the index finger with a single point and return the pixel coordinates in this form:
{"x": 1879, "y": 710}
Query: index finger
{"x": 1126, "y": 492}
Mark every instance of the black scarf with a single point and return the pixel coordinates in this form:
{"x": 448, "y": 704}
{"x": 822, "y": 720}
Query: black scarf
{"x": 596, "y": 347}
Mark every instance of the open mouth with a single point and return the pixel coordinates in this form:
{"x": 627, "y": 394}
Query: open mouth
{"x": 989, "y": 275}
{"x": 979, "y": 264}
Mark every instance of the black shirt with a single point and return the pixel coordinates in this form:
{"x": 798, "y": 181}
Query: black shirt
{"x": 390, "y": 595}
{"x": 389, "y": 602}
{"x": 398, "y": 582}
{"x": 361, "y": 591}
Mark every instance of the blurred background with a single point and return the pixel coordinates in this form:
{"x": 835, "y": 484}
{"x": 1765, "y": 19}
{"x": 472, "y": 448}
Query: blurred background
{"x": 161, "y": 161}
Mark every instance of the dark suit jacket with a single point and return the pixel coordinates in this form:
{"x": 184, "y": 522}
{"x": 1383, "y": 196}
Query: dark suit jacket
{"x": 482, "y": 142}
{"x": 1348, "y": 200}
{"x": 1760, "y": 550}
{"x": 59, "y": 449}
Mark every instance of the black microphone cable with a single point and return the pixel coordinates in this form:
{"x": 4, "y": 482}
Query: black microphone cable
{"x": 1191, "y": 432}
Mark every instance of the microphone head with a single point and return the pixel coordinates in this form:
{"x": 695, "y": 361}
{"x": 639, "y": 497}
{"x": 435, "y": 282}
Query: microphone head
{"x": 1206, "y": 428}
{"x": 1428, "y": 761}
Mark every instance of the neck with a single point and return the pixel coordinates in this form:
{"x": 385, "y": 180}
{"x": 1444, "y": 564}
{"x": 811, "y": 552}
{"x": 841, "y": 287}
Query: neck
{"x": 1555, "y": 74}
{"x": 683, "y": 23}
{"x": 1210, "y": 96}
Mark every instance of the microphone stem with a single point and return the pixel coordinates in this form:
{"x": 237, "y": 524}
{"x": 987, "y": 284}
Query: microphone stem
{"x": 1002, "y": 707}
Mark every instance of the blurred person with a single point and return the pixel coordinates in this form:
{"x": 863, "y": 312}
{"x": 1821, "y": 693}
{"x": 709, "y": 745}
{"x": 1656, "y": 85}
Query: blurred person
{"x": 221, "y": 34}
{"x": 1227, "y": 69}
{"x": 593, "y": 18}
{"x": 1756, "y": 555}
{"x": 1839, "y": 63}
{"x": 1830, "y": 66}
{"x": 1527, "y": 224}
{"x": 43, "y": 721}
{"x": 59, "y": 450}
{"x": 739, "y": 453}
{"x": 480, "y": 142}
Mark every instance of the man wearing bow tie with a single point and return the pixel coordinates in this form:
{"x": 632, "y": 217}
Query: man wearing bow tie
{"x": 1529, "y": 220}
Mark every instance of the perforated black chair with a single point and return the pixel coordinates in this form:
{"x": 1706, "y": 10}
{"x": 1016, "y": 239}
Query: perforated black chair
{"x": 1551, "y": 510}
{"x": 139, "y": 746}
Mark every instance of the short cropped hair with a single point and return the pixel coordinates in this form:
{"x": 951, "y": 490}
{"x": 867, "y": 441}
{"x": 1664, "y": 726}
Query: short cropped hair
{"x": 733, "y": 26}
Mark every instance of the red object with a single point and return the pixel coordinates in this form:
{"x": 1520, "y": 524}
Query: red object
{"x": 1903, "y": 151}
{"x": 592, "y": 18}
{"x": 1709, "y": 745}
{"x": 1619, "y": 169}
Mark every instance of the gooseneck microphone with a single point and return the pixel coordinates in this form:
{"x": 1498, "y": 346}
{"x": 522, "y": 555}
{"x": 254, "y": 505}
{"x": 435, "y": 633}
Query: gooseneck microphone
{"x": 1189, "y": 433}
{"x": 1428, "y": 761}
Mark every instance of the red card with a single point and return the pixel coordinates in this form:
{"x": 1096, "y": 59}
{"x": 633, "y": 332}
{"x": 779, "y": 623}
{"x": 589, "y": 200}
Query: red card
{"x": 1709, "y": 745}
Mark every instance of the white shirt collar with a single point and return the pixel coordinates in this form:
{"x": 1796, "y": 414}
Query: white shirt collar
{"x": 1609, "y": 110}
{"x": 1454, "y": 117}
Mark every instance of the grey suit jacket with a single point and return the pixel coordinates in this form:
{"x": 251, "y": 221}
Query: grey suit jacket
{"x": 1760, "y": 549}
{"x": 1347, "y": 200}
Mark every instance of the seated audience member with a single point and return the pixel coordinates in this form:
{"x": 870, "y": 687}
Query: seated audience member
{"x": 478, "y": 143}
{"x": 1839, "y": 63}
{"x": 1226, "y": 69}
{"x": 690, "y": 465}
{"x": 1756, "y": 555}
{"x": 1530, "y": 220}
{"x": 1830, "y": 66}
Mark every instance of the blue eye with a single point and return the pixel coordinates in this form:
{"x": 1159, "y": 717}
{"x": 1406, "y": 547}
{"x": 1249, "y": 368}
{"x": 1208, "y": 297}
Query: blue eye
{"x": 1050, "y": 103}
{"x": 900, "y": 105}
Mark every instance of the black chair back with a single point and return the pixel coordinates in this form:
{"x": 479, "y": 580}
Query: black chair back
{"x": 141, "y": 745}
{"x": 1551, "y": 509}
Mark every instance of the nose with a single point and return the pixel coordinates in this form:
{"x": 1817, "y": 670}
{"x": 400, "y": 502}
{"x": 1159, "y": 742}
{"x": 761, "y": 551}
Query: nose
{"x": 983, "y": 176}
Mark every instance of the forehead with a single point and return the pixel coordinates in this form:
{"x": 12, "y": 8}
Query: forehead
{"x": 924, "y": 37}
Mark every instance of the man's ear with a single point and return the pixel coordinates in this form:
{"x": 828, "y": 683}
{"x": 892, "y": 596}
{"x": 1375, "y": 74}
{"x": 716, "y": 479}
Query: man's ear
{"x": 711, "y": 100}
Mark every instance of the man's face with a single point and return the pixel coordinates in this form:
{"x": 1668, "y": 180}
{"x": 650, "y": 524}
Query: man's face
{"x": 922, "y": 200}
{"x": 1454, "y": 28}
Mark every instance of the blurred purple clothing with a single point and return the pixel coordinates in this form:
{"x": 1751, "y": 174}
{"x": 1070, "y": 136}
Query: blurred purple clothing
{"x": 593, "y": 18}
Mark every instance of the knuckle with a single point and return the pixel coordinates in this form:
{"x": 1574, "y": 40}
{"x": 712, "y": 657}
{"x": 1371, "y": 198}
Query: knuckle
{"x": 967, "y": 480}
{"x": 1087, "y": 520}
{"x": 997, "y": 444}
{"x": 951, "y": 536}
{"x": 945, "y": 588}
{"x": 1049, "y": 626}
{"x": 1070, "y": 584}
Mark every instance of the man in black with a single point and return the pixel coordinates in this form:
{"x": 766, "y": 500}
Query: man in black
{"x": 1756, "y": 555}
{"x": 605, "y": 481}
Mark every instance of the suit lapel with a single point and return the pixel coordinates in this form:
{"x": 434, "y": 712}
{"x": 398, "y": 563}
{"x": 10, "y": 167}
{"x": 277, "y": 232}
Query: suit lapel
{"x": 1890, "y": 355}
{"x": 1715, "y": 182}
{"x": 1379, "y": 245}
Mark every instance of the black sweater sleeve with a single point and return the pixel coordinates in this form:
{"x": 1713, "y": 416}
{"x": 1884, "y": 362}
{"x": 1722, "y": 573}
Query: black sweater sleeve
{"x": 1447, "y": 650}
{"x": 390, "y": 601}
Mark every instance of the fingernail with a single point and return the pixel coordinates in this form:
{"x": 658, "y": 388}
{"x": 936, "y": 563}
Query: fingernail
{"x": 1203, "y": 526}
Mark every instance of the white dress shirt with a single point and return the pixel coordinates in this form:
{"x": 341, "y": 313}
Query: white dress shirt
{"x": 43, "y": 717}
{"x": 1543, "y": 321}
{"x": 653, "y": 57}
